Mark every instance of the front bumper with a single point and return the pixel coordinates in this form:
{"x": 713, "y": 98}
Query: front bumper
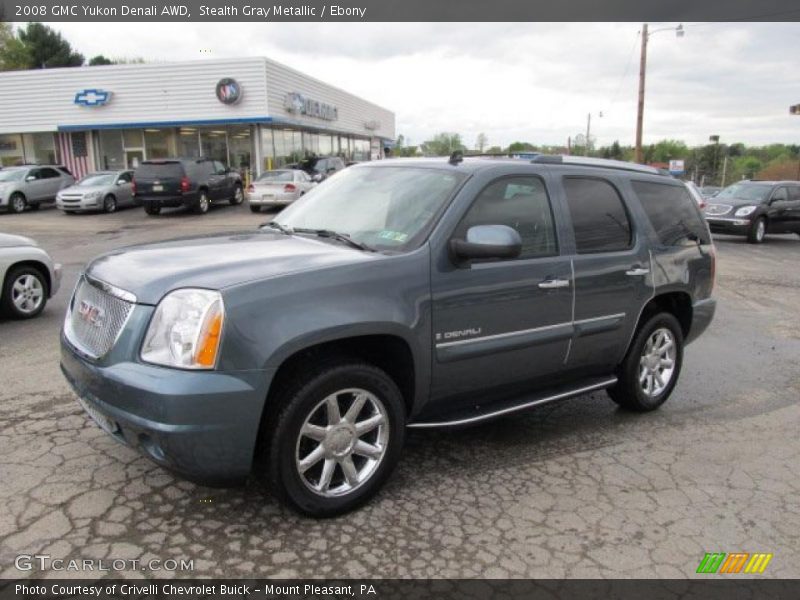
{"x": 279, "y": 199}
{"x": 82, "y": 204}
{"x": 732, "y": 225}
{"x": 202, "y": 425}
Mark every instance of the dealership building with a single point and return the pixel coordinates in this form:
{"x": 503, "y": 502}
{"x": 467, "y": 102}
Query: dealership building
{"x": 251, "y": 113}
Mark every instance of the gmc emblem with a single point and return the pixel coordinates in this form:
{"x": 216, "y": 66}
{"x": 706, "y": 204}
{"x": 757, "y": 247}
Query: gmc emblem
{"x": 90, "y": 313}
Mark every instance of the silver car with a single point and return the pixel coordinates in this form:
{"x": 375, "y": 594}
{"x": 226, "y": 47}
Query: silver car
{"x": 28, "y": 276}
{"x": 31, "y": 186}
{"x": 102, "y": 190}
{"x": 278, "y": 188}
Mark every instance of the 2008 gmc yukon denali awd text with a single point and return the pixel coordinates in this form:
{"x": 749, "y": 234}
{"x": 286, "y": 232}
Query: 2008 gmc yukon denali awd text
{"x": 398, "y": 294}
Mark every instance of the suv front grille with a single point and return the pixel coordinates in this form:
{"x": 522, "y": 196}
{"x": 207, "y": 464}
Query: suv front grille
{"x": 716, "y": 210}
{"x": 95, "y": 319}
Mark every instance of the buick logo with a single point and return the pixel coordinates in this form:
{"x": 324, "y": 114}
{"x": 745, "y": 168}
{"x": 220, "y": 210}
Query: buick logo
{"x": 229, "y": 91}
{"x": 91, "y": 314}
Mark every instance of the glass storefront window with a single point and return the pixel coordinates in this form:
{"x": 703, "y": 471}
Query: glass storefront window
{"x": 326, "y": 145}
{"x": 157, "y": 143}
{"x": 361, "y": 149}
{"x": 188, "y": 142}
{"x": 132, "y": 138}
{"x": 11, "y": 151}
{"x": 214, "y": 144}
{"x": 344, "y": 147}
{"x": 287, "y": 144}
{"x": 239, "y": 147}
{"x": 112, "y": 154}
{"x": 39, "y": 148}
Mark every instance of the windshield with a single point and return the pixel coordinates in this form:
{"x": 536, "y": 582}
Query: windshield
{"x": 386, "y": 208}
{"x": 745, "y": 191}
{"x": 271, "y": 176}
{"x": 12, "y": 174}
{"x": 98, "y": 179}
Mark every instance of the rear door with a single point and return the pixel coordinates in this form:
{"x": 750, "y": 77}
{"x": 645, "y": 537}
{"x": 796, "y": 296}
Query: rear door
{"x": 794, "y": 200}
{"x": 611, "y": 264}
{"x": 218, "y": 182}
{"x": 35, "y": 187}
{"x": 502, "y": 323}
{"x": 51, "y": 183}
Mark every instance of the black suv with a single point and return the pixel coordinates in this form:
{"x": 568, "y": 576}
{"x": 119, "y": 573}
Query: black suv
{"x": 320, "y": 168}
{"x": 195, "y": 183}
{"x": 755, "y": 208}
{"x": 401, "y": 294}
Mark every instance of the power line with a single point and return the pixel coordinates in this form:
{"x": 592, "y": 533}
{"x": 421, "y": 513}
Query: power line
{"x": 627, "y": 68}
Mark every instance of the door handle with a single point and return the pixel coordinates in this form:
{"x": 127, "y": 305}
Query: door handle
{"x": 637, "y": 271}
{"x": 551, "y": 284}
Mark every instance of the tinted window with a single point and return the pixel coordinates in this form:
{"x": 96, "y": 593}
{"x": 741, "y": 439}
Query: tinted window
{"x": 672, "y": 213}
{"x": 520, "y": 203}
{"x": 219, "y": 168}
{"x": 47, "y": 173}
{"x": 35, "y": 173}
{"x": 794, "y": 193}
{"x": 599, "y": 218}
{"x": 272, "y": 176}
{"x": 125, "y": 177}
{"x": 164, "y": 170}
{"x": 746, "y": 191}
{"x": 780, "y": 195}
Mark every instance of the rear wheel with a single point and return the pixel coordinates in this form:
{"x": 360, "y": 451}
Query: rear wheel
{"x": 152, "y": 208}
{"x": 650, "y": 370}
{"x": 17, "y": 203}
{"x": 757, "y": 231}
{"x": 238, "y": 195}
{"x": 202, "y": 203}
{"x": 255, "y": 209}
{"x": 336, "y": 439}
{"x": 24, "y": 293}
{"x": 109, "y": 204}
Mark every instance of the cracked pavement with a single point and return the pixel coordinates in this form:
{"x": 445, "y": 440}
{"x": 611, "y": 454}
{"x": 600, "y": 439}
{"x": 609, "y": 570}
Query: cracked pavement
{"x": 575, "y": 489}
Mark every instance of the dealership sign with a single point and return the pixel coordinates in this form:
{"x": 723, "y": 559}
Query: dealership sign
{"x": 229, "y": 91}
{"x": 300, "y": 105}
{"x": 676, "y": 167}
{"x": 93, "y": 97}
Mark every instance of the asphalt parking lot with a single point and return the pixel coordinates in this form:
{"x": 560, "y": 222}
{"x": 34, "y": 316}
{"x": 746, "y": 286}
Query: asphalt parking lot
{"x": 575, "y": 489}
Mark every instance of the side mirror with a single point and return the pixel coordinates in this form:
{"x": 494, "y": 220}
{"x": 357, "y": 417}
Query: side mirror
{"x": 317, "y": 177}
{"x": 30, "y": 178}
{"x": 120, "y": 182}
{"x": 488, "y": 241}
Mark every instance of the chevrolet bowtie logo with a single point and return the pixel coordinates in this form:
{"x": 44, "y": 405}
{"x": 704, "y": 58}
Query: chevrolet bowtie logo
{"x": 92, "y": 97}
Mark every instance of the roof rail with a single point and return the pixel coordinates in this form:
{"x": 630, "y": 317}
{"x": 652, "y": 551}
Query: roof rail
{"x": 589, "y": 161}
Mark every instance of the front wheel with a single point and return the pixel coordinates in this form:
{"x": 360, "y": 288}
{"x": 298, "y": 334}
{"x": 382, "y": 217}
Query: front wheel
{"x": 337, "y": 438}
{"x": 238, "y": 196}
{"x": 109, "y": 204}
{"x": 650, "y": 370}
{"x": 25, "y": 293}
{"x": 17, "y": 203}
{"x": 757, "y": 231}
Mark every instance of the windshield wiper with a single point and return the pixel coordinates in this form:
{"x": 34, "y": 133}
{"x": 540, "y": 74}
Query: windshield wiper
{"x": 278, "y": 226}
{"x": 341, "y": 237}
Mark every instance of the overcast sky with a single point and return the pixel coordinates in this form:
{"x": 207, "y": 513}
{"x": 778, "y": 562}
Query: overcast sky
{"x": 531, "y": 82}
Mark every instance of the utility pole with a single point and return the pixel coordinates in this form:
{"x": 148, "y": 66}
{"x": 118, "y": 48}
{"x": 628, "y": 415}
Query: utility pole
{"x": 640, "y": 108}
{"x": 724, "y": 170}
{"x": 588, "y": 131}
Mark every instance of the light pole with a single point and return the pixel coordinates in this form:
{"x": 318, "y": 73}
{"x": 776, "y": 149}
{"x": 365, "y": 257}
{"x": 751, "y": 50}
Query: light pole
{"x": 795, "y": 110}
{"x": 642, "y": 70}
{"x": 715, "y": 139}
{"x": 589, "y": 130}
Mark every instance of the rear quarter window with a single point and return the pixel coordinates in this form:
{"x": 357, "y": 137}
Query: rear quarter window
{"x": 599, "y": 218}
{"x": 672, "y": 212}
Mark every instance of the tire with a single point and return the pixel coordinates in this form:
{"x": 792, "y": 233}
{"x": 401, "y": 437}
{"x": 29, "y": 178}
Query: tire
{"x": 151, "y": 208}
{"x": 24, "y": 293}
{"x": 757, "y": 231}
{"x": 305, "y": 404}
{"x": 238, "y": 196}
{"x": 630, "y": 392}
{"x": 109, "y": 204}
{"x": 255, "y": 209}
{"x": 17, "y": 203}
{"x": 202, "y": 204}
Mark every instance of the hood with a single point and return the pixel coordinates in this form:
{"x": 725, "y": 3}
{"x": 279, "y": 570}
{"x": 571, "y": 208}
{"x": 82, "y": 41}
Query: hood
{"x": 8, "y": 240}
{"x": 734, "y": 202}
{"x": 83, "y": 189}
{"x": 216, "y": 261}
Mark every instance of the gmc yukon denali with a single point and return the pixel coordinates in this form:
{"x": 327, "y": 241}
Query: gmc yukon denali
{"x": 399, "y": 294}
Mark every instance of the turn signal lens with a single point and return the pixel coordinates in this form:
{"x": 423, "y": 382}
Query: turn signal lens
{"x": 208, "y": 342}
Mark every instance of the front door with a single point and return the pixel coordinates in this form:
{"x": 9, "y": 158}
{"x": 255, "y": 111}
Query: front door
{"x": 501, "y": 322}
{"x": 780, "y": 211}
{"x": 612, "y": 272}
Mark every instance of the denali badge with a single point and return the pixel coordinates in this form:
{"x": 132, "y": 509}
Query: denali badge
{"x": 90, "y": 313}
{"x": 452, "y": 335}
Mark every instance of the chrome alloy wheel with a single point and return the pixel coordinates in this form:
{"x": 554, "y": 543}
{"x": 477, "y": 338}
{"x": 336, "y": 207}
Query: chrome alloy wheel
{"x": 27, "y": 293}
{"x": 342, "y": 442}
{"x": 657, "y": 363}
{"x": 761, "y": 230}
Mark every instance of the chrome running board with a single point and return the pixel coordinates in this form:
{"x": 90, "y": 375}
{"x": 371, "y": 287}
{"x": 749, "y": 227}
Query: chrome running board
{"x": 503, "y": 408}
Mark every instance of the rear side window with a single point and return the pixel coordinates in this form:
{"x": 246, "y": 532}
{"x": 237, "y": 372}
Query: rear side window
{"x": 599, "y": 218}
{"x": 165, "y": 170}
{"x": 672, "y": 213}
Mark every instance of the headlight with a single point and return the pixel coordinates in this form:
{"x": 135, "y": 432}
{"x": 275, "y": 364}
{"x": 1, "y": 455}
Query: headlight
{"x": 185, "y": 330}
{"x": 744, "y": 211}
{"x": 92, "y": 195}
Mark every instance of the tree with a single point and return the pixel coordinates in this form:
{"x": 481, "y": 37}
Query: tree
{"x": 13, "y": 53}
{"x": 443, "y": 144}
{"x": 481, "y": 141}
{"x": 100, "y": 60}
{"x": 521, "y": 147}
{"x": 494, "y": 150}
{"x": 47, "y": 49}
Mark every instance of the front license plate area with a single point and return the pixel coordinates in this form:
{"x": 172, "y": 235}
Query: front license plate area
{"x": 102, "y": 421}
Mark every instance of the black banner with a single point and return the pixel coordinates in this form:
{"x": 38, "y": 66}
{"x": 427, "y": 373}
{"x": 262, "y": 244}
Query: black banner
{"x": 713, "y": 588}
{"x": 399, "y": 11}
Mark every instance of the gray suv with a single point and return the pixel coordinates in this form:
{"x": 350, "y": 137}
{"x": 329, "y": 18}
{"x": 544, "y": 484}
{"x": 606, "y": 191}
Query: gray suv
{"x": 31, "y": 186}
{"x": 401, "y": 294}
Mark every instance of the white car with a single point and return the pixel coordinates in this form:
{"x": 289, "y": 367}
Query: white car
{"x": 30, "y": 186}
{"x": 278, "y": 188}
{"x": 103, "y": 190}
{"x": 28, "y": 275}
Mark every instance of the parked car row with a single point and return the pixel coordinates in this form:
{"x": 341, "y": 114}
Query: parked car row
{"x": 192, "y": 183}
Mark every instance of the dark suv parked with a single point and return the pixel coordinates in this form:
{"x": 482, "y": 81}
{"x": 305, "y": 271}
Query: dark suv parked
{"x": 320, "y": 168}
{"x": 401, "y": 294}
{"x": 756, "y": 208}
{"x": 195, "y": 183}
